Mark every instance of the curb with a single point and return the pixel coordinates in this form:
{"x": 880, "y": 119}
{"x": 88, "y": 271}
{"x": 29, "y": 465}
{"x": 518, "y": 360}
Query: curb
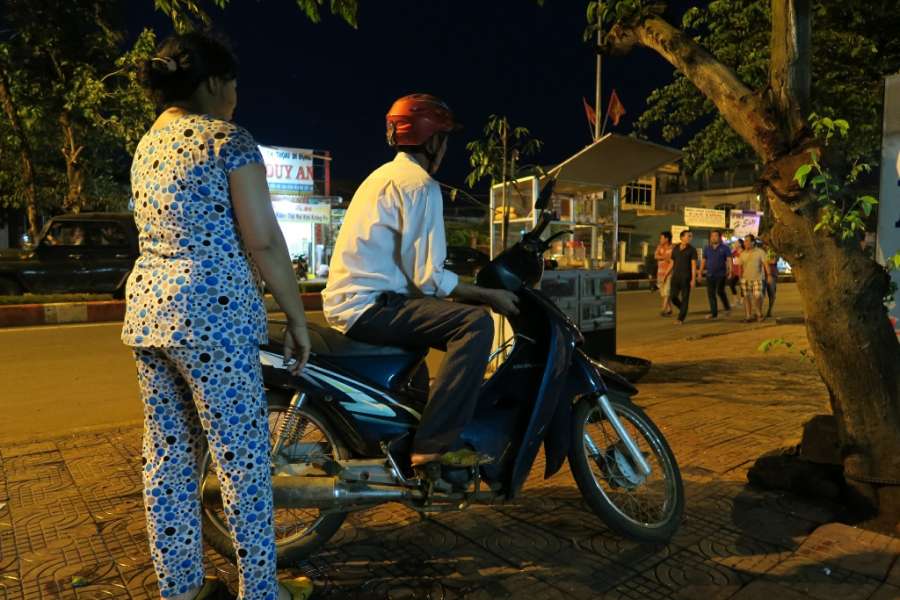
{"x": 627, "y": 285}
{"x": 23, "y": 315}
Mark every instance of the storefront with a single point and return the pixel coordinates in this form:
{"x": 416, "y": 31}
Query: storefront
{"x": 299, "y": 184}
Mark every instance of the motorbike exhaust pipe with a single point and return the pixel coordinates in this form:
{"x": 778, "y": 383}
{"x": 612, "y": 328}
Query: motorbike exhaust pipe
{"x": 318, "y": 492}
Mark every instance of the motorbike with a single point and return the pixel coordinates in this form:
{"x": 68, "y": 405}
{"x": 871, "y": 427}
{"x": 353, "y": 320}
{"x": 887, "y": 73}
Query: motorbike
{"x": 341, "y": 431}
{"x": 301, "y": 266}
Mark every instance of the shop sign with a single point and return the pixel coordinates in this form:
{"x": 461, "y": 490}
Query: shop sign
{"x": 288, "y": 170}
{"x": 888, "y": 240}
{"x": 744, "y": 223}
{"x": 289, "y": 210}
{"x": 704, "y": 217}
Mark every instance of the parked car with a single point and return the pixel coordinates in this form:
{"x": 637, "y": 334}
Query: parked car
{"x": 83, "y": 253}
{"x": 463, "y": 260}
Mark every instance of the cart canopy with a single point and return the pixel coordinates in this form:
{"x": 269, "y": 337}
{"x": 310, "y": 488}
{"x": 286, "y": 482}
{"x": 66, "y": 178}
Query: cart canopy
{"x": 611, "y": 162}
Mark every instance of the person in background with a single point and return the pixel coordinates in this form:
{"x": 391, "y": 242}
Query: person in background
{"x": 735, "y": 280}
{"x": 753, "y": 271}
{"x": 663, "y": 256}
{"x": 771, "y": 278}
{"x": 684, "y": 274}
{"x": 716, "y": 262}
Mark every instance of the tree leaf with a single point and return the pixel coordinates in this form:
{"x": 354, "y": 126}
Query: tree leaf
{"x": 802, "y": 173}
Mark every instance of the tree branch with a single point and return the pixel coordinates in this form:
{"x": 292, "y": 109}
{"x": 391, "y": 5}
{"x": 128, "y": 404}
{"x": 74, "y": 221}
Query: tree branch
{"x": 789, "y": 69}
{"x": 745, "y": 111}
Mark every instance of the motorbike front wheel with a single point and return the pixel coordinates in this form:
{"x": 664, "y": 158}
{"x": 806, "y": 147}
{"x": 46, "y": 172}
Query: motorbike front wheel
{"x": 298, "y": 532}
{"x": 645, "y": 508}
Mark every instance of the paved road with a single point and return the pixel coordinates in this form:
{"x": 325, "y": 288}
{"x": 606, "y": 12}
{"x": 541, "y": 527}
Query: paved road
{"x": 62, "y": 378}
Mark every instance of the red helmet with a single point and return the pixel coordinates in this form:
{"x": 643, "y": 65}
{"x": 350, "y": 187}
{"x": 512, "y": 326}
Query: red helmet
{"x": 413, "y": 119}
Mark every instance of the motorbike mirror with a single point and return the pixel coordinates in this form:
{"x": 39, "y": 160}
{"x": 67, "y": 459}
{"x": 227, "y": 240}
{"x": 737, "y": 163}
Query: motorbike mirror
{"x": 544, "y": 198}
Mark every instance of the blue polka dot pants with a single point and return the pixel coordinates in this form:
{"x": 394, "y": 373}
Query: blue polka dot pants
{"x": 192, "y": 395}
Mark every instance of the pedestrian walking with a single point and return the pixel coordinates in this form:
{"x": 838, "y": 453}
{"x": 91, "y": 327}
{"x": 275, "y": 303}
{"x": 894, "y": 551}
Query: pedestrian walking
{"x": 734, "y": 281}
{"x": 716, "y": 263}
{"x": 663, "y": 256}
{"x": 771, "y": 286}
{"x": 684, "y": 274}
{"x": 195, "y": 318}
{"x": 753, "y": 272}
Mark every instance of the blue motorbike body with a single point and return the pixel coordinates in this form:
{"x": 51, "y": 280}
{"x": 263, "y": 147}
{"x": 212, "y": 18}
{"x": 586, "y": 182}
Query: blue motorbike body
{"x": 527, "y": 401}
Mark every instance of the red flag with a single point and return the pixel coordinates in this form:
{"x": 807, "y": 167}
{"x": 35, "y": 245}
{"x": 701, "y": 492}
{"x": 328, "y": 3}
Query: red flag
{"x": 589, "y": 112}
{"x": 615, "y": 110}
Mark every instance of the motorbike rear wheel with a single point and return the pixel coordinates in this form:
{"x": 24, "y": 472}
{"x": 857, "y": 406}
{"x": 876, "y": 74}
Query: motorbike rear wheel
{"x": 646, "y": 509}
{"x": 299, "y": 533}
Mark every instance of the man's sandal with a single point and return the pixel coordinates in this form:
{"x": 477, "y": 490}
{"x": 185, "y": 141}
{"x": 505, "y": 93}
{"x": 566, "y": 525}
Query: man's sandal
{"x": 300, "y": 588}
{"x": 465, "y": 457}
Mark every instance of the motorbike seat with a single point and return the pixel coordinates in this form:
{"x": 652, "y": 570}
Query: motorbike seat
{"x": 328, "y": 342}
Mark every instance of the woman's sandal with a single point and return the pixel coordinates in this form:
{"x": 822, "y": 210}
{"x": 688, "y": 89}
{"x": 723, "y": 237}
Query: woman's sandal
{"x": 300, "y": 588}
{"x": 213, "y": 589}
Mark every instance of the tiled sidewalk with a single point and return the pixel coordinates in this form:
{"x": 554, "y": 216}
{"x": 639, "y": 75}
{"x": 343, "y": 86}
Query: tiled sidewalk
{"x": 71, "y": 523}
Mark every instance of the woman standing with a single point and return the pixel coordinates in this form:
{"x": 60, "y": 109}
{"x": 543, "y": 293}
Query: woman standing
{"x": 663, "y": 256}
{"x": 195, "y": 318}
{"x": 735, "y": 282}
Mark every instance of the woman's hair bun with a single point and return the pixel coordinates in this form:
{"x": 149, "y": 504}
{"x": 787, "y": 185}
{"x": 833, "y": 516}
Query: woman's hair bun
{"x": 182, "y": 62}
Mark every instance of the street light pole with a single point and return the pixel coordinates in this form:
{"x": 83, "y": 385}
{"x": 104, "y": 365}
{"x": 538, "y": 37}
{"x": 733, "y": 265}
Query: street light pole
{"x": 597, "y": 87}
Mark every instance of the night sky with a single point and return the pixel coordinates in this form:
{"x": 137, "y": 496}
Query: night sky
{"x": 328, "y": 86}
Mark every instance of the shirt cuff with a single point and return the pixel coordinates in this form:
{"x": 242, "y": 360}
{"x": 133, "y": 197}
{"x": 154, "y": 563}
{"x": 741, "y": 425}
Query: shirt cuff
{"x": 446, "y": 284}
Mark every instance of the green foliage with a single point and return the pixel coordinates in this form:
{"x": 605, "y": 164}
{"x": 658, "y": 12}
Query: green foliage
{"x": 66, "y": 61}
{"x": 191, "y": 14}
{"x": 461, "y": 235}
{"x": 486, "y": 155}
{"x": 854, "y": 45}
{"x": 841, "y": 214}
{"x": 625, "y": 12}
{"x": 770, "y": 344}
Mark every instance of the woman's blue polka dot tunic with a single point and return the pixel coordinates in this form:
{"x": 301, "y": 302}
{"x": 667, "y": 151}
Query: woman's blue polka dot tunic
{"x": 192, "y": 284}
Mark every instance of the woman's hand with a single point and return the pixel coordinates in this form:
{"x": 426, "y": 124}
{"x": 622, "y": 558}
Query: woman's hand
{"x": 296, "y": 346}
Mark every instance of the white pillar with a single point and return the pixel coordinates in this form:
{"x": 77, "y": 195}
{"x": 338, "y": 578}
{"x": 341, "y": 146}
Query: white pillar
{"x": 888, "y": 241}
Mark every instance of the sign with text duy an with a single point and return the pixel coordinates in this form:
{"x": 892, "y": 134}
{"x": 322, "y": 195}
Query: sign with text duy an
{"x": 288, "y": 170}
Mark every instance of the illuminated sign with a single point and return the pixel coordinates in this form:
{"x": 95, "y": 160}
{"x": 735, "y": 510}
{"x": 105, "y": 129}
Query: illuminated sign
{"x": 288, "y": 170}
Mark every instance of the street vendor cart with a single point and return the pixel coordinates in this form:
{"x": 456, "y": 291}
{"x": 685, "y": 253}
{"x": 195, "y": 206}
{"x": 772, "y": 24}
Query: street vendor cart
{"x": 581, "y": 265}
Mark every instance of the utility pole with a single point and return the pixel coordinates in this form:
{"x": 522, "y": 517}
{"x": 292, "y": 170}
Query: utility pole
{"x": 505, "y": 221}
{"x": 597, "y": 87}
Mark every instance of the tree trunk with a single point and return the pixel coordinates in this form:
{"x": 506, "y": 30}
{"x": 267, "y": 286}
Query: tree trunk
{"x": 28, "y": 183}
{"x": 74, "y": 200}
{"x": 855, "y": 349}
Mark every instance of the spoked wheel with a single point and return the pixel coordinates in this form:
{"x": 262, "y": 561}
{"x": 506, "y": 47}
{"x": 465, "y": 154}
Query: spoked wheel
{"x": 645, "y": 508}
{"x": 299, "y": 532}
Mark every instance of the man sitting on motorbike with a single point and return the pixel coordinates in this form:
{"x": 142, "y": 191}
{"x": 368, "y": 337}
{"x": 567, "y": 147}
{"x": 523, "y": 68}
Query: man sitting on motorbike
{"x": 387, "y": 284}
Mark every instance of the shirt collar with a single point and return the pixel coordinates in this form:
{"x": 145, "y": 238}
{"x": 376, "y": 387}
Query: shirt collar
{"x": 406, "y": 157}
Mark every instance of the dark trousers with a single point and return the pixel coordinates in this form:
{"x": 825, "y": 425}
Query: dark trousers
{"x": 770, "y": 288}
{"x": 464, "y": 332}
{"x": 681, "y": 295}
{"x": 715, "y": 285}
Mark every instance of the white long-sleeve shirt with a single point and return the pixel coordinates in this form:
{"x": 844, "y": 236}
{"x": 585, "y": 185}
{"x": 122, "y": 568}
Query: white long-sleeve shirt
{"x": 392, "y": 240}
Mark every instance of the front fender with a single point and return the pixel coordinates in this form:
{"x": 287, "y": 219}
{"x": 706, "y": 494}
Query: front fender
{"x": 585, "y": 376}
